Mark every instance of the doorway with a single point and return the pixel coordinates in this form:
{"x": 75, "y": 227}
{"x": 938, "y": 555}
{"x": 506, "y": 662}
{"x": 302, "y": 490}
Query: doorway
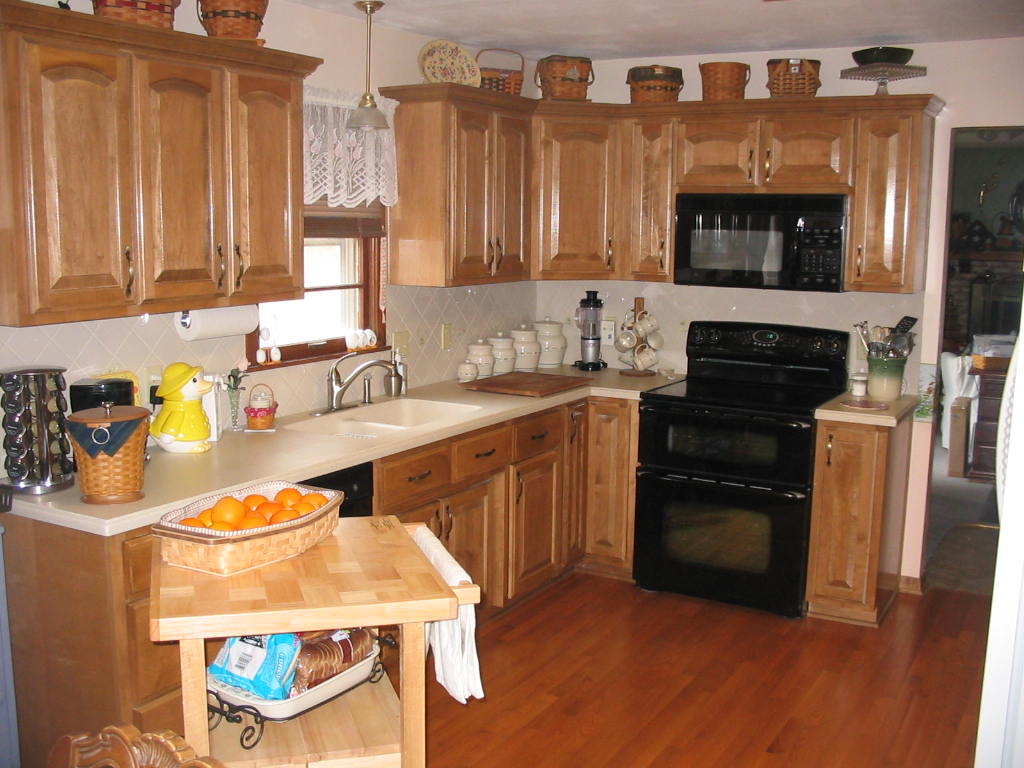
{"x": 982, "y": 298}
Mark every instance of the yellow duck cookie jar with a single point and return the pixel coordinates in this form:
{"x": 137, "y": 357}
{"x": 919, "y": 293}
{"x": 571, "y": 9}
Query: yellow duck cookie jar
{"x": 181, "y": 425}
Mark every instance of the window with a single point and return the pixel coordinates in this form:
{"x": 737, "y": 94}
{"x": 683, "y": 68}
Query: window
{"x": 341, "y": 265}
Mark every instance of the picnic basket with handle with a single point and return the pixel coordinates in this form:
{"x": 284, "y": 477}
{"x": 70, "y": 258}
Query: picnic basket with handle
{"x": 564, "y": 77}
{"x": 793, "y": 77}
{"x": 503, "y": 80}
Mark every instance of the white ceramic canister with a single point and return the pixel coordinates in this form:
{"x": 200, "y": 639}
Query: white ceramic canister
{"x": 466, "y": 371}
{"x": 504, "y": 354}
{"x": 552, "y": 342}
{"x": 480, "y": 353}
{"x": 524, "y": 341}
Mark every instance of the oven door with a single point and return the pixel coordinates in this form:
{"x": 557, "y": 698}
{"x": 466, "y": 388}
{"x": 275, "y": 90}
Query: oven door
{"x": 732, "y": 543}
{"x": 724, "y": 444}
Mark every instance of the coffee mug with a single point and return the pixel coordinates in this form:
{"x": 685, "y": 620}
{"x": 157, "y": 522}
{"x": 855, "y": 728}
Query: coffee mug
{"x": 645, "y": 323}
{"x": 355, "y": 339}
{"x": 655, "y": 340}
{"x": 626, "y": 340}
{"x": 644, "y": 357}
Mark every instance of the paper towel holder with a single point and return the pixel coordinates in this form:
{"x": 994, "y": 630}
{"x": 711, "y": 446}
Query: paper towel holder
{"x": 185, "y": 321}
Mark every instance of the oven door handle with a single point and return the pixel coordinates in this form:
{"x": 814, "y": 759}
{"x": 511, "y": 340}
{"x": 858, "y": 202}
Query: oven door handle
{"x": 643, "y": 473}
{"x": 670, "y": 410}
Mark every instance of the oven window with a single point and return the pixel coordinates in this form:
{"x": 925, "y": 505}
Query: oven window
{"x": 722, "y": 444}
{"x": 716, "y": 535}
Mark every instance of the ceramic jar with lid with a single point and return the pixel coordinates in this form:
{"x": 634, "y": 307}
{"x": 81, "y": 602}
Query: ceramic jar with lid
{"x": 480, "y": 353}
{"x": 504, "y": 354}
{"x": 524, "y": 341}
{"x": 466, "y": 371}
{"x": 552, "y": 342}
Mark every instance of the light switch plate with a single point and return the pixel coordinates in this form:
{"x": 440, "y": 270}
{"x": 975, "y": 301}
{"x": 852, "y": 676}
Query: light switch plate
{"x": 400, "y": 340}
{"x": 608, "y": 331}
{"x": 446, "y": 336}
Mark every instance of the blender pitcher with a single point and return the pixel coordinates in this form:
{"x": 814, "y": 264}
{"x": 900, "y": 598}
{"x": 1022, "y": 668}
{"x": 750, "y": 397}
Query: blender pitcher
{"x": 588, "y": 320}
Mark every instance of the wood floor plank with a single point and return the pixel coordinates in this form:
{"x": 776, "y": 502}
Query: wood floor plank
{"x": 599, "y": 673}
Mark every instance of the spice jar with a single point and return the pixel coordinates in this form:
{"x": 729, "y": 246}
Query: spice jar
{"x": 504, "y": 354}
{"x": 480, "y": 353}
{"x": 524, "y": 341}
{"x": 552, "y": 343}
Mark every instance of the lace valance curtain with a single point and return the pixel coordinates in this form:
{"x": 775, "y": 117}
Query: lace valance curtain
{"x": 347, "y": 167}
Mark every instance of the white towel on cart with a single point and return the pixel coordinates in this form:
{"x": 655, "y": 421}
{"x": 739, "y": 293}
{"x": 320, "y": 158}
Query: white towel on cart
{"x": 453, "y": 642}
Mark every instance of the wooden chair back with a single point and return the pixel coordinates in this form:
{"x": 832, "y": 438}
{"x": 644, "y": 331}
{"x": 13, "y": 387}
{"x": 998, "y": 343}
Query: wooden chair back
{"x": 124, "y": 746}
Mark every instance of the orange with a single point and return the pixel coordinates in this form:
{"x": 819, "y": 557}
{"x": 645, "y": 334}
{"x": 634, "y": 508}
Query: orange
{"x": 253, "y": 500}
{"x": 316, "y": 499}
{"x": 251, "y": 521}
{"x": 222, "y": 526}
{"x": 303, "y": 507}
{"x": 206, "y": 517}
{"x": 284, "y": 516}
{"x": 288, "y": 496}
{"x": 193, "y": 522}
{"x": 267, "y": 509}
{"x": 228, "y": 510}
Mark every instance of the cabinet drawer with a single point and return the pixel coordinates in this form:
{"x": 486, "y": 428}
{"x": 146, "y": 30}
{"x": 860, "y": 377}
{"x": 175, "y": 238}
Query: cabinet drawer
{"x": 162, "y": 713}
{"x": 413, "y": 474}
{"x": 138, "y": 562}
{"x": 991, "y": 386}
{"x": 484, "y": 453}
{"x": 537, "y": 434}
{"x": 985, "y": 433}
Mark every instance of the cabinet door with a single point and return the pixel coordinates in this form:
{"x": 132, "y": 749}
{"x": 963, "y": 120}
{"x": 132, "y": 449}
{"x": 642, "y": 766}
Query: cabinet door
{"x": 472, "y": 524}
{"x": 429, "y": 513}
{"x": 715, "y": 153}
{"x": 533, "y": 526}
{"x": 511, "y": 178}
{"x": 849, "y": 489}
{"x": 879, "y": 256}
{"x": 574, "y": 491}
{"x": 806, "y": 151}
{"x": 76, "y": 151}
{"x": 184, "y": 167}
{"x": 473, "y": 248}
{"x": 578, "y": 179}
{"x": 266, "y": 188}
{"x": 610, "y": 483}
{"x": 652, "y": 202}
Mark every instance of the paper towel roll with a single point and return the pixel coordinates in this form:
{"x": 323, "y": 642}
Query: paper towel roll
{"x": 196, "y": 324}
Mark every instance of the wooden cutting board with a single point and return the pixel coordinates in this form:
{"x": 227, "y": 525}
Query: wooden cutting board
{"x": 526, "y": 383}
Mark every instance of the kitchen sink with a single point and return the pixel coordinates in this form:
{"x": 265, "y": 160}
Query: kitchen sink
{"x": 382, "y": 419}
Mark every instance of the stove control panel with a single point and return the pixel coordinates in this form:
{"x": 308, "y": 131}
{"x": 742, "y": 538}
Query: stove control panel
{"x": 775, "y": 343}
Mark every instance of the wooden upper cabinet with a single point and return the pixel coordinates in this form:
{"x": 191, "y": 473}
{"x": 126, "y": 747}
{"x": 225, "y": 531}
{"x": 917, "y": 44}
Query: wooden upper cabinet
{"x": 885, "y": 220}
{"x": 803, "y": 151}
{"x": 461, "y": 217}
{"x": 70, "y": 133}
{"x": 578, "y": 186}
{"x": 146, "y": 169}
{"x": 651, "y": 207}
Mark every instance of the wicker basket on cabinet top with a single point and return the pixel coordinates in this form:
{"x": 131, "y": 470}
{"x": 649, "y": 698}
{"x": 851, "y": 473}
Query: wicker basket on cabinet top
{"x": 564, "y": 77}
{"x": 503, "y": 80}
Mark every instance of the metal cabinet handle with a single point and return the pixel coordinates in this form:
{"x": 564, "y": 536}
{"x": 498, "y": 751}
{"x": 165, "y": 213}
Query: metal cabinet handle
{"x": 611, "y": 252}
{"x": 489, "y": 260}
{"x": 767, "y": 166}
{"x": 223, "y": 266}
{"x": 501, "y": 255}
{"x": 417, "y": 478}
{"x": 519, "y": 493}
{"x": 439, "y": 532}
{"x": 828, "y": 450}
{"x": 574, "y": 416}
{"x": 860, "y": 260}
{"x": 451, "y": 522}
{"x": 241, "y": 267}
{"x": 661, "y": 255}
{"x": 750, "y": 165}
{"x": 131, "y": 271}
{"x": 540, "y": 436}
{"x": 485, "y": 454}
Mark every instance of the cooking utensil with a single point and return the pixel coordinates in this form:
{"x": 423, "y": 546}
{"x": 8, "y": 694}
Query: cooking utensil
{"x": 905, "y": 324}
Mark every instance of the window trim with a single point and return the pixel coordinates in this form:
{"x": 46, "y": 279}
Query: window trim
{"x": 366, "y": 224}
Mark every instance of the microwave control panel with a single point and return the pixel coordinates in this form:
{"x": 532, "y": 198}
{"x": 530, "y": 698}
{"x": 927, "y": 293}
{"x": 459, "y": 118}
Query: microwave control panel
{"x": 819, "y": 246}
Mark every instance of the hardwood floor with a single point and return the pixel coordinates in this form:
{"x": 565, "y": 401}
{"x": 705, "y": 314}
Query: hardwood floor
{"x": 600, "y": 673}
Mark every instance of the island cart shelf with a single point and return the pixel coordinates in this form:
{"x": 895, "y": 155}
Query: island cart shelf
{"x": 369, "y": 573}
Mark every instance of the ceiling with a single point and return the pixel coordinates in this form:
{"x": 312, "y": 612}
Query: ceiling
{"x": 610, "y": 29}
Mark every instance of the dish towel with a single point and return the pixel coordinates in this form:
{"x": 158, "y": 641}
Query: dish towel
{"x": 453, "y": 642}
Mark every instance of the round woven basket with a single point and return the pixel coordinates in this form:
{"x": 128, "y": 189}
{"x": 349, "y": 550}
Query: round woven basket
{"x": 236, "y": 19}
{"x": 653, "y": 84}
{"x": 262, "y": 408}
{"x": 564, "y": 77}
{"x": 793, "y": 77}
{"x": 110, "y": 478}
{"x": 144, "y": 12}
{"x": 724, "y": 80}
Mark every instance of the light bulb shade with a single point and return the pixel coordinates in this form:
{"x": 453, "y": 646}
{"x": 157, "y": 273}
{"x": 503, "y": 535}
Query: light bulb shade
{"x": 366, "y": 117}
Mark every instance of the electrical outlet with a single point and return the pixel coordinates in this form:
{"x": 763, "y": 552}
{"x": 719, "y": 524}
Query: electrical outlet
{"x": 446, "y": 336}
{"x": 401, "y": 340}
{"x": 608, "y": 331}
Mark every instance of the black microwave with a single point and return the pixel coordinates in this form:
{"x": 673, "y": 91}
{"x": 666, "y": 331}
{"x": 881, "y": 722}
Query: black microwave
{"x": 785, "y": 242}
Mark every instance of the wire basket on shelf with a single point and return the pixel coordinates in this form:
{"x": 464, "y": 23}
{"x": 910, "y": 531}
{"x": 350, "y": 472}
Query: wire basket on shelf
{"x": 502, "y": 80}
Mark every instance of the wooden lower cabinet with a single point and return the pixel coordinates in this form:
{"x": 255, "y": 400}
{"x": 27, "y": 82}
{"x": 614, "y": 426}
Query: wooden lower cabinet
{"x": 860, "y": 483}
{"x": 535, "y": 490}
{"x": 574, "y": 516}
{"x": 609, "y": 484}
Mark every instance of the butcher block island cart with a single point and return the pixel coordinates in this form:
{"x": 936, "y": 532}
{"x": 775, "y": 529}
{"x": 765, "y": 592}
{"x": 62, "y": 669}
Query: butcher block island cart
{"x": 369, "y": 573}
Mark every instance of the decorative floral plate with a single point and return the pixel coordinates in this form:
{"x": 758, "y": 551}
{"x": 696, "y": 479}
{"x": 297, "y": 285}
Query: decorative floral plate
{"x": 443, "y": 61}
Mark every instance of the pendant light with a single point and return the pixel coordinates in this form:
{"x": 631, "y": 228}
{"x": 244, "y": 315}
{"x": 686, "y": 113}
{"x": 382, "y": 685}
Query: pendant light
{"x": 367, "y": 116}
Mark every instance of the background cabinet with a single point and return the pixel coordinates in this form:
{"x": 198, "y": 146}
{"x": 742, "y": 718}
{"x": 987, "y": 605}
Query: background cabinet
{"x": 157, "y": 170}
{"x": 650, "y": 213}
{"x": 574, "y": 521}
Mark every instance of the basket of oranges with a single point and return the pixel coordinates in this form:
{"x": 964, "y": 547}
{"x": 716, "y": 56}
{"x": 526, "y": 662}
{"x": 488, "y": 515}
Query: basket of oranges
{"x": 254, "y": 526}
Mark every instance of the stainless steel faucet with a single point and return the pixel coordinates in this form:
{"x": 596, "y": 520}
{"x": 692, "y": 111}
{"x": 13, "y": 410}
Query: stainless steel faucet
{"x": 337, "y": 387}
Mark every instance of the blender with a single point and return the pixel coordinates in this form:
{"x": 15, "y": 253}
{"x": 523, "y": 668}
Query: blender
{"x": 588, "y": 320}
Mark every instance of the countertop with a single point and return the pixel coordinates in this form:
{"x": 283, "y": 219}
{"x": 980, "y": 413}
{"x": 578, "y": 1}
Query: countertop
{"x": 894, "y": 412}
{"x": 239, "y": 459}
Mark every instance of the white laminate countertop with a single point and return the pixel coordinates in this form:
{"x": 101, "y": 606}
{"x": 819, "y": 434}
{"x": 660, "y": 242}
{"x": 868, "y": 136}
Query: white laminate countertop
{"x": 894, "y": 412}
{"x": 239, "y": 459}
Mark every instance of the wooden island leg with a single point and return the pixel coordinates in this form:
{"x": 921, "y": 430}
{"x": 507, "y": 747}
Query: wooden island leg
{"x": 193, "y": 694}
{"x": 414, "y": 670}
